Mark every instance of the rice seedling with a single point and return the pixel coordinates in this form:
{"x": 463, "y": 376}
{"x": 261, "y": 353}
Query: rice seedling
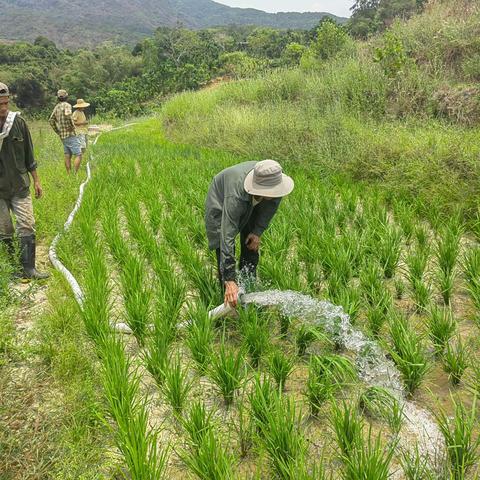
{"x": 474, "y": 382}
{"x": 371, "y": 283}
{"x": 347, "y": 423}
{"x": 421, "y": 294}
{"x": 404, "y": 216}
{"x": 455, "y": 361}
{"x": 460, "y": 437}
{"x": 380, "y": 403}
{"x": 408, "y": 353}
{"x": 209, "y": 460}
{"x": 137, "y": 296}
{"x": 282, "y": 438}
{"x": 376, "y": 318}
{"x": 261, "y": 399}
{"x": 415, "y": 466}
{"x": 244, "y": 427}
{"x": 416, "y": 264}
{"x": 280, "y": 367}
{"x": 285, "y": 322}
{"x": 255, "y": 332}
{"x": 399, "y": 288}
{"x": 197, "y": 423}
{"x": 176, "y": 385}
{"x": 349, "y": 298}
{"x": 156, "y": 353}
{"x": 421, "y": 236}
{"x": 389, "y": 249}
{"x": 305, "y": 335}
{"x": 441, "y": 327}
{"x": 227, "y": 371}
{"x": 371, "y": 460}
{"x": 326, "y": 375}
{"x": 200, "y": 337}
{"x": 471, "y": 268}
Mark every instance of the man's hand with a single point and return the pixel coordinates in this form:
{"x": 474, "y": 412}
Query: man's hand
{"x": 231, "y": 293}
{"x": 38, "y": 189}
{"x": 253, "y": 242}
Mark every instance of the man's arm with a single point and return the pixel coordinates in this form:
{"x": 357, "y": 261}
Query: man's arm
{"x": 53, "y": 123}
{"x": 69, "y": 116}
{"x": 264, "y": 214}
{"x": 30, "y": 162}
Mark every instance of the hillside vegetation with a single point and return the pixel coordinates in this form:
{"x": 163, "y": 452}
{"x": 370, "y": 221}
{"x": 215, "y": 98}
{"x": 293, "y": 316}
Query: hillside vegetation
{"x": 401, "y": 109}
{"x": 83, "y": 23}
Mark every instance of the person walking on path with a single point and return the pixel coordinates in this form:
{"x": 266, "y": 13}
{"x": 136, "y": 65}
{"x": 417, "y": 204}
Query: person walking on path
{"x": 62, "y": 123}
{"x": 81, "y": 123}
{"x": 242, "y": 200}
{"x": 16, "y": 163}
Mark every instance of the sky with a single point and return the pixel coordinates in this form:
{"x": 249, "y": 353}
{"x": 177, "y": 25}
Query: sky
{"x": 337, "y": 7}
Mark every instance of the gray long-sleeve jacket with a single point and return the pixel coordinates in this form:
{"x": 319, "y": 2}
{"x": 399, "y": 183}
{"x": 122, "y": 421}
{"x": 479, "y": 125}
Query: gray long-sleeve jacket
{"x": 228, "y": 209}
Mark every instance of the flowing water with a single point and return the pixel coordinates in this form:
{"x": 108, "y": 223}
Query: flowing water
{"x": 374, "y": 368}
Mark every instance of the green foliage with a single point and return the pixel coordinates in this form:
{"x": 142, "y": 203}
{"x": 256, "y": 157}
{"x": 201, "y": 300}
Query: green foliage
{"x": 392, "y": 56}
{"x": 330, "y": 40}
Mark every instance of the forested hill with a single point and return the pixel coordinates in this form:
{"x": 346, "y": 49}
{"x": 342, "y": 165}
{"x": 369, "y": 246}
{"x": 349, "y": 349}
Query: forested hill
{"x": 85, "y": 22}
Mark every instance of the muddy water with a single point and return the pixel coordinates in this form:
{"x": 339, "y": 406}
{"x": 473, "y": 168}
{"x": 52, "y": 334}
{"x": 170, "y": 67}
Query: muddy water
{"x": 374, "y": 368}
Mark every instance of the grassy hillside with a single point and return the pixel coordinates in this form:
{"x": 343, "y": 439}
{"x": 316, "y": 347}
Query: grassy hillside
{"x": 401, "y": 110}
{"x": 83, "y": 23}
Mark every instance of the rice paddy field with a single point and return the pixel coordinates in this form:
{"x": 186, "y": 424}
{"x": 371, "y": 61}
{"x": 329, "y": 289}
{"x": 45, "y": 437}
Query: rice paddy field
{"x": 356, "y": 355}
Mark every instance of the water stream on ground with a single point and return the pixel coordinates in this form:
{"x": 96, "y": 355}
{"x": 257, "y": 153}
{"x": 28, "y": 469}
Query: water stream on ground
{"x": 374, "y": 368}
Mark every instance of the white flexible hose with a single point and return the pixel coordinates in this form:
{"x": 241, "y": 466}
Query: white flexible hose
{"x": 52, "y": 253}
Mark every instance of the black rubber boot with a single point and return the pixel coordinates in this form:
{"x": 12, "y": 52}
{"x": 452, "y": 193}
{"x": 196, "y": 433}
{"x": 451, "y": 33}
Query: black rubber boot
{"x": 27, "y": 259}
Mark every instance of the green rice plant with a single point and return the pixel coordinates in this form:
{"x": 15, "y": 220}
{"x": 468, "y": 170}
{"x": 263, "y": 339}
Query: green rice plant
{"x": 471, "y": 268}
{"x": 209, "y": 460}
{"x": 244, "y": 427}
{"x": 134, "y": 438}
{"x": 200, "y": 336}
{"x": 389, "y": 248}
{"x": 415, "y": 466}
{"x": 255, "y": 332}
{"x": 261, "y": 399}
{"x": 282, "y": 438}
{"x": 176, "y": 385}
{"x": 376, "y": 318}
{"x": 168, "y": 305}
{"x": 373, "y": 288}
{"x": 156, "y": 353}
{"x": 421, "y": 294}
{"x": 421, "y": 236}
{"x": 349, "y": 298}
{"x": 280, "y": 367}
{"x": 371, "y": 460}
{"x": 460, "y": 437}
{"x": 347, "y": 423}
{"x": 380, "y": 403}
{"x": 455, "y": 361}
{"x": 137, "y": 296}
{"x": 197, "y": 423}
{"x": 408, "y": 353}
{"x": 441, "y": 327}
{"x": 474, "y": 382}
{"x": 227, "y": 371}
{"x": 399, "y": 288}
{"x": 326, "y": 375}
{"x": 285, "y": 322}
{"x": 405, "y": 217}
{"x": 305, "y": 335}
{"x": 417, "y": 261}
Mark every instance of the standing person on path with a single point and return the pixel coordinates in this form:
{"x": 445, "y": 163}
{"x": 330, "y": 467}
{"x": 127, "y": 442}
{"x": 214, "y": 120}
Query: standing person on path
{"x": 242, "y": 200}
{"x": 81, "y": 123}
{"x": 16, "y": 163}
{"x": 62, "y": 123}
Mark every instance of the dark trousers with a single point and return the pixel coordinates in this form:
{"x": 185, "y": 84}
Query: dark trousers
{"x": 248, "y": 258}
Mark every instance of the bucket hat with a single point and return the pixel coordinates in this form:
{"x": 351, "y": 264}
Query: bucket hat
{"x": 81, "y": 103}
{"x": 268, "y": 180}
{"x": 62, "y": 94}
{"x": 4, "y": 90}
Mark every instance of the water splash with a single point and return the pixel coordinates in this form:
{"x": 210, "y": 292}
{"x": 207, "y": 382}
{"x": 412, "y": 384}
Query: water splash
{"x": 374, "y": 368}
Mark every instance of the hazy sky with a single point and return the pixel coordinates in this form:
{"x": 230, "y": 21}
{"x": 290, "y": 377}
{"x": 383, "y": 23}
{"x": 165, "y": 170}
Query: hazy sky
{"x": 337, "y": 7}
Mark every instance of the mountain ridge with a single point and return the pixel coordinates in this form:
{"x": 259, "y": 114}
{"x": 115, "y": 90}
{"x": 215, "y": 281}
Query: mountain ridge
{"x": 76, "y": 23}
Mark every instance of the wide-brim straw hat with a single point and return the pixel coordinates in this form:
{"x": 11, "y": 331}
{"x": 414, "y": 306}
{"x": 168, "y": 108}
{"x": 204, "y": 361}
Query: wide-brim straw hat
{"x": 81, "y": 103}
{"x": 268, "y": 180}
